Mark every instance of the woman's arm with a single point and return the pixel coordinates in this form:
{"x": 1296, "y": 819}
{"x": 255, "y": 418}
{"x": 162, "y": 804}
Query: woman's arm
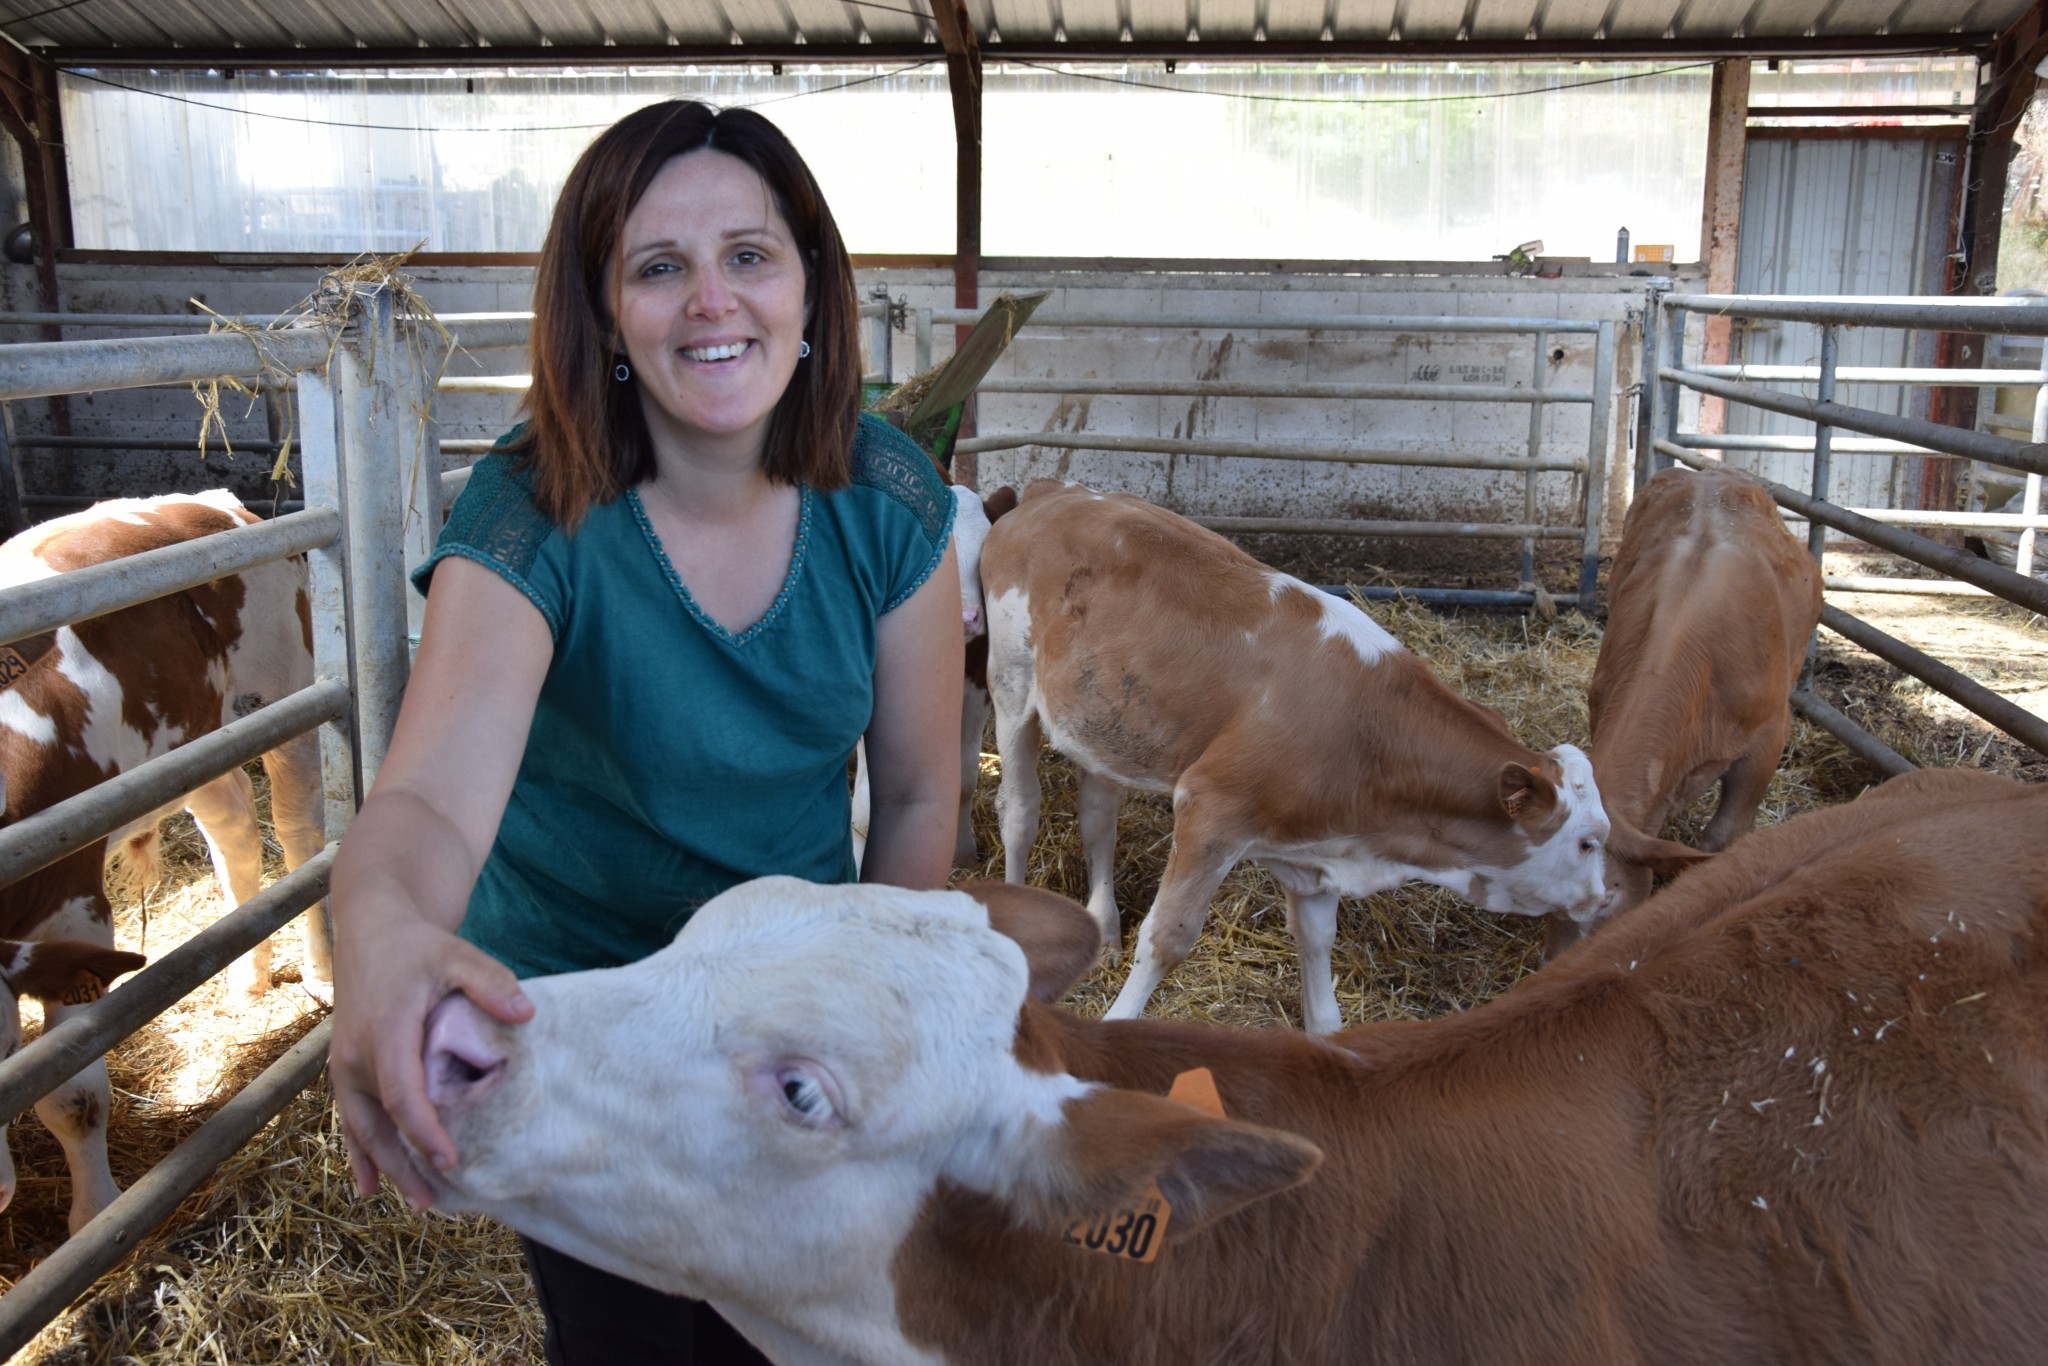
{"x": 404, "y": 873}
{"x": 913, "y": 741}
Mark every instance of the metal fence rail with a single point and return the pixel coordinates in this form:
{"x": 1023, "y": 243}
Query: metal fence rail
{"x": 360, "y": 394}
{"x": 1530, "y": 461}
{"x": 1884, "y": 434}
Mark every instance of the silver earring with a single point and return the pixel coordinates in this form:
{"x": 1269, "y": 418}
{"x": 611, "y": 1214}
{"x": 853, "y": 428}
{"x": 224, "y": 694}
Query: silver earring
{"x": 803, "y": 348}
{"x": 621, "y": 373}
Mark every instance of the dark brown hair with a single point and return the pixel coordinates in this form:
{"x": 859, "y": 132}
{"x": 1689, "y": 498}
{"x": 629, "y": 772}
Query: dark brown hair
{"x": 586, "y": 439}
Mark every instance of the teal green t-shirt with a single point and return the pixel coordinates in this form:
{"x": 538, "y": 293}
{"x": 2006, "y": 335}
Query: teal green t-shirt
{"x": 670, "y": 759}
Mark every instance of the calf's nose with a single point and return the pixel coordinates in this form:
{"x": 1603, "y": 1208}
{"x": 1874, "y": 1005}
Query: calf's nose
{"x": 463, "y": 1059}
{"x": 971, "y": 622}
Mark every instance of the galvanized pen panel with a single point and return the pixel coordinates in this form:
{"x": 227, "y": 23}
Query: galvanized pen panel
{"x": 1880, "y": 434}
{"x": 1350, "y": 413}
{"x": 362, "y": 435}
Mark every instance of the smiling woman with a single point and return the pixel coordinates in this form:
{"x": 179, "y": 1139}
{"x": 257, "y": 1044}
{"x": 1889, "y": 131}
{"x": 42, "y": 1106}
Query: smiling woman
{"x": 662, "y": 614}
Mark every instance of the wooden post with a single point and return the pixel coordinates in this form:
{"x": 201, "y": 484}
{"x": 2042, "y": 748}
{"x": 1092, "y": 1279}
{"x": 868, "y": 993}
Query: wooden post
{"x": 963, "y": 78}
{"x": 29, "y": 111}
{"x": 2001, "y": 101}
{"x": 1721, "y": 213}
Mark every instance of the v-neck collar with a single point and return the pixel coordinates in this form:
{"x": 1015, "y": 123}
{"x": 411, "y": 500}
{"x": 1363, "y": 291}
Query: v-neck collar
{"x": 703, "y": 618}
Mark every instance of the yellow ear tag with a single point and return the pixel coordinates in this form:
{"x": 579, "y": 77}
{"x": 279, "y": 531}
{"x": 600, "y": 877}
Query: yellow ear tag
{"x": 1136, "y": 1234}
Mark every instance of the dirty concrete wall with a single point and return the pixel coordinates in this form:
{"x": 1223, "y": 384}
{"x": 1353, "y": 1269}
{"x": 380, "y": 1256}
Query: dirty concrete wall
{"x": 1197, "y": 485}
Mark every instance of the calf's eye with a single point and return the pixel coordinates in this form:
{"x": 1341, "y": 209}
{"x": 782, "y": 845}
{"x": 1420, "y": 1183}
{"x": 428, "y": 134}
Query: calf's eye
{"x": 802, "y": 1093}
{"x": 1589, "y": 845}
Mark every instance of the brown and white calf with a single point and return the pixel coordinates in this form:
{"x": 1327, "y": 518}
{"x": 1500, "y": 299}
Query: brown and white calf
{"x": 1710, "y": 606}
{"x": 971, "y": 523}
{"x": 1288, "y": 725}
{"x": 1795, "y": 1109}
{"x": 98, "y": 698}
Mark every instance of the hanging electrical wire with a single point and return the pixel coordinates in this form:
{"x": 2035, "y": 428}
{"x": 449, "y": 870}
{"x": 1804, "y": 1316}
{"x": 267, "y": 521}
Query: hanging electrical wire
{"x": 86, "y": 75}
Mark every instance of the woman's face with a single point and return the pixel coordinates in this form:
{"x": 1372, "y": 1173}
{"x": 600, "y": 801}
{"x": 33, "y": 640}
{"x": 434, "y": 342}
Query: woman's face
{"x": 710, "y": 303}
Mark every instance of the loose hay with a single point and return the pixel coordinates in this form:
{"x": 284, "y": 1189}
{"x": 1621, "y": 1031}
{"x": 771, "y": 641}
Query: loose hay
{"x": 277, "y": 1259}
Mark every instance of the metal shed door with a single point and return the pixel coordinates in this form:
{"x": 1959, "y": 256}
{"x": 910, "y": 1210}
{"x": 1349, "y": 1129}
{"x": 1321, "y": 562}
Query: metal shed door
{"x": 1865, "y": 212}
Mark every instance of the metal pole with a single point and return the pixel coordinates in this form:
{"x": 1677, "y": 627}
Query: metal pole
{"x": 2030, "y": 500}
{"x": 2029, "y": 593}
{"x": 61, "y": 1277}
{"x": 1651, "y": 406}
{"x": 1596, "y": 464}
{"x": 2022, "y": 725}
{"x": 1674, "y": 350}
{"x": 1823, "y": 433}
{"x": 924, "y": 341}
{"x": 1861, "y": 742}
{"x": 98, "y": 589}
{"x": 1088, "y": 441}
{"x": 377, "y": 431}
{"x": 43, "y": 369}
{"x": 13, "y": 517}
{"x": 1499, "y": 531}
{"x": 40, "y": 839}
{"x": 1995, "y": 450}
{"x": 2013, "y": 317}
{"x": 422, "y": 464}
{"x": 1535, "y": 449}
{"x": 320, "y": 464}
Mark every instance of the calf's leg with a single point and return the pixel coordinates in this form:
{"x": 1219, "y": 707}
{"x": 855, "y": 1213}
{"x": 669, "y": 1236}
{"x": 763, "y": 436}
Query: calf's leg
{"x": 225, "y": 812}
{"x": 1099, "y": 799}
{"x": 1203, "y": 855}
{"x": 76, "y": 1112}
{"x": 1744, "y": 784}
{"x": 298, "y": 809}
{"x": 1312, "y": 919}
{"x": 975, "y": 706}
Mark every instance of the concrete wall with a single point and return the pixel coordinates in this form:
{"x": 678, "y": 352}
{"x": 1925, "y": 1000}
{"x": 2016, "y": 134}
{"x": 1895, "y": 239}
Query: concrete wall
{"x": 1152, "y": 348}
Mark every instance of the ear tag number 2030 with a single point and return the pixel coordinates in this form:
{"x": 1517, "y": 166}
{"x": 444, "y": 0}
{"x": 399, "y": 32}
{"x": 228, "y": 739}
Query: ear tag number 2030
{"x": 1136, "y": 1234}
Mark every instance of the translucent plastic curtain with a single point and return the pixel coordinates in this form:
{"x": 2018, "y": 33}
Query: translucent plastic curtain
{"x": 461, "y": 161}
{"x": 1398, "y": 162}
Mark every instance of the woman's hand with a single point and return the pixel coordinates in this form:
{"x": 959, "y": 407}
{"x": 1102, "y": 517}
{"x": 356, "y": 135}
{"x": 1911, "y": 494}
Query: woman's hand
{"x": 403, "y": 878}
{"x": 384, "y": 992}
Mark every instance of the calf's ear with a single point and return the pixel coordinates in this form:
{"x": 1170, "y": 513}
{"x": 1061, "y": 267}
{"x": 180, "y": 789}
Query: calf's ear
{"x": 63, "y": 971}
{"x": 1059, "y": 939}
{"x": 1526, "y": 794}
{"x": 1001, "y": 501}
{"x": 1116, "y": 1145}
{"x": 1665, "y": 858}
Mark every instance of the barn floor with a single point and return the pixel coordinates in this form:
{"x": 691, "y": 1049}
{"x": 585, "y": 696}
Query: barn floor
{"x": 277, "y": 1259}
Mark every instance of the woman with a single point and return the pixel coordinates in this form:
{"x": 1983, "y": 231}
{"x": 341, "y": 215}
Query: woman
{"x": 662, "y": 614}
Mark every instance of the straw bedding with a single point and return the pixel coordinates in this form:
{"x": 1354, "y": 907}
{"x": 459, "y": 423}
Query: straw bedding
{"x": 276, "y": 1259}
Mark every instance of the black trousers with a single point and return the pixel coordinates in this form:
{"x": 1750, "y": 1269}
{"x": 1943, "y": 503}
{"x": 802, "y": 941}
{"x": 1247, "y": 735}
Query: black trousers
{"x": 597, "y": 1319}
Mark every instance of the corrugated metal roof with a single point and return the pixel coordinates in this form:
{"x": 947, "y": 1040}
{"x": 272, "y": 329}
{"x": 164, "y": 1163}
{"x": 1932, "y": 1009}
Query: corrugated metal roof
{"x": 466, "y": 30}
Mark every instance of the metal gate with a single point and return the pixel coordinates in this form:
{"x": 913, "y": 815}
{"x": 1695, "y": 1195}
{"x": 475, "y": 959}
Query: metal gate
{"x": 361, "y": 404}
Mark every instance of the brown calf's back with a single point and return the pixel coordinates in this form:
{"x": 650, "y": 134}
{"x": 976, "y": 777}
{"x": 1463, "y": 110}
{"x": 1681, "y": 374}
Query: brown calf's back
{"x": 1795, "y": 1109}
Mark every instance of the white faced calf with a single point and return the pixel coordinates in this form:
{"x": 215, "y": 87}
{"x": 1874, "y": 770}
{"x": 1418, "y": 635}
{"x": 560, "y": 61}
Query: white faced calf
{"x": 1289, "y": 727}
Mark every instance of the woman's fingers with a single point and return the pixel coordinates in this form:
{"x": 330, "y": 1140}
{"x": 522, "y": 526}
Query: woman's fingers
{"x": 399, "y": 1053}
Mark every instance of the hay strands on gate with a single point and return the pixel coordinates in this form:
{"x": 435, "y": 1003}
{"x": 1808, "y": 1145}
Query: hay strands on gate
{"x": 334, "y": 303}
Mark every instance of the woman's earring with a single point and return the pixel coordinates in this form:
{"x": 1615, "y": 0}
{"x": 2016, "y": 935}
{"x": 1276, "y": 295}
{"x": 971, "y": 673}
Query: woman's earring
{"x": 621, "y": 373}
{"x": 803, "y": 348}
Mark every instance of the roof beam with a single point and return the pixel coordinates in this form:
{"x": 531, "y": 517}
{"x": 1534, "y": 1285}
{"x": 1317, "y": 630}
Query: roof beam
{"x": 1646, "y": 49}
{"x": 963, "y": 78}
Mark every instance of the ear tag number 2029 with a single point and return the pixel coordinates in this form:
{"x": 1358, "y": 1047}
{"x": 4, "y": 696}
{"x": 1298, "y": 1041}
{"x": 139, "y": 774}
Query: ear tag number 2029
{"x": 1136, "y": 1233}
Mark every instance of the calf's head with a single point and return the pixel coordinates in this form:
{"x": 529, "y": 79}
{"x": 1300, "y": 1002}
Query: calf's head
{"x": 1559, "y": 850}
{"x": 55, "y": 972}
{"x": 763, "y": 1112}
{"x": 970, "y": 529}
